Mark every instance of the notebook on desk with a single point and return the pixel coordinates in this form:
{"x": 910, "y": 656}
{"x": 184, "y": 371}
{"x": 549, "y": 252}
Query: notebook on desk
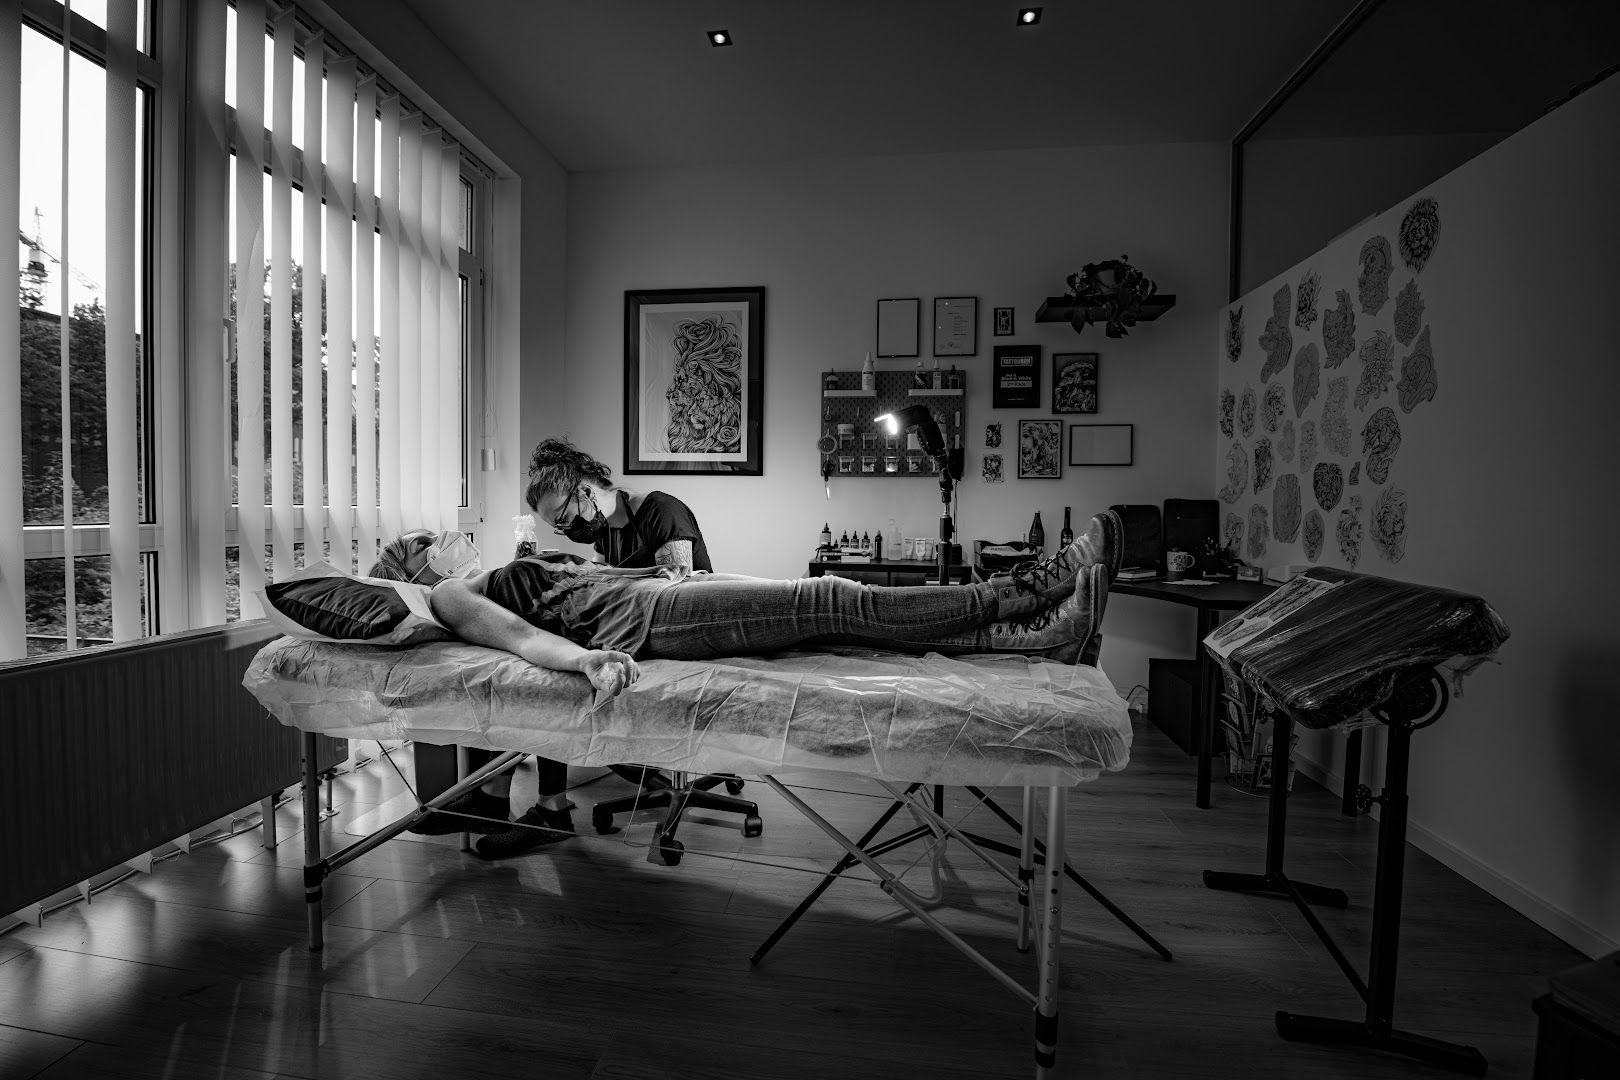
{"x": 1137, "y": 573}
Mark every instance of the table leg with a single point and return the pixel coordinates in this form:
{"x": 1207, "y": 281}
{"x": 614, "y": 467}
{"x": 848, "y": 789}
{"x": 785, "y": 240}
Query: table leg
{"x": 1207, "y": 698}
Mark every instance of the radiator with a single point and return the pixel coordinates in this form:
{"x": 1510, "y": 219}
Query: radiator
{"x": 110, "y": 752}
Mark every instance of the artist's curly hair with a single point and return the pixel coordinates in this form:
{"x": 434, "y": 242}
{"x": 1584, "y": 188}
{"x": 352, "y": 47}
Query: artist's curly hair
{"x": 559, "y": 465}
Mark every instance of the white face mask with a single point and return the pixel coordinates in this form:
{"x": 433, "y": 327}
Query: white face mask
{"x": 450, "y": 555}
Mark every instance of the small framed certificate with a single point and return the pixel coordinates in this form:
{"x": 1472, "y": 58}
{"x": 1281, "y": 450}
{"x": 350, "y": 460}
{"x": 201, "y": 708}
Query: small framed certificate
{"x": 897, "y": 326}
{"x": 956, "y": 325}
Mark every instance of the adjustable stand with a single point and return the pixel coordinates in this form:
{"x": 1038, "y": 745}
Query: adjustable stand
{"x": 1416, "y": 702}
{"x": 947, "y": 462}
{"x": 920, "y": 831}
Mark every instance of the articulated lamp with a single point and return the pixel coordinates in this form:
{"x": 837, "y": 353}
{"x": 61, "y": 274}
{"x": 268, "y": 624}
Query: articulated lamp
{"x": 919, "y": 421}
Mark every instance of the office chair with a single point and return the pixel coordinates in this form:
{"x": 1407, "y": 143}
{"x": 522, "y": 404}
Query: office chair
{"x": 677, "y": 791}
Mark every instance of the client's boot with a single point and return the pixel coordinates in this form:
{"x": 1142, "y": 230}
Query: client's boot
{"x": 1052, "y": 580}
{"x": 1064, "y": 633}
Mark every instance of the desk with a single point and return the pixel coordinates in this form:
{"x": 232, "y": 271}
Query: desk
{"x": 891, "y": 572}
{"x": 1211, "y": 601}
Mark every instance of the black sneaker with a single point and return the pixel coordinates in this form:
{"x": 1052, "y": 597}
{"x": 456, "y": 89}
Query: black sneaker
{"x": 464, "y": 814}
{"x": 535, "y": 828}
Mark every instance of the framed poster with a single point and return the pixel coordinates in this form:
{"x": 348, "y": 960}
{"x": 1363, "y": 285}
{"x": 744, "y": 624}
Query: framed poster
{"x": 1015, "y": 377}
{"x": 1101, "y": 444}
{"x": 897, "y": 326}
{"x": 1040, "y": 449}
{"x": 1003, "y": 322}
{"x": 694, "y": 380}
{"x": 956, "y": 325}
{"x": 1074, "y": 382}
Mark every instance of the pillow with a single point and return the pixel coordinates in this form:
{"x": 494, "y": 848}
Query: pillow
{"x": 322, "y": 603}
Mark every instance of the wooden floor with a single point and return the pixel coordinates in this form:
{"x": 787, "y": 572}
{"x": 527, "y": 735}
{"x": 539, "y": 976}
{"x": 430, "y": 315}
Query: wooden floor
{"x": 585, "y": 960}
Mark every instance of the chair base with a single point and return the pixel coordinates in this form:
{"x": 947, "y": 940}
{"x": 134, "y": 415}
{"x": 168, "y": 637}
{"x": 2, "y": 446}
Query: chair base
{"x": 683, "y": 793}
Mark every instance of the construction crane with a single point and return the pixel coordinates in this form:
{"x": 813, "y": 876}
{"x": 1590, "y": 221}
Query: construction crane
{"x": 36, "y": 271}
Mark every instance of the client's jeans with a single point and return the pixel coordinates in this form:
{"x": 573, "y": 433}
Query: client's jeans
{"x": 701, "y": 619}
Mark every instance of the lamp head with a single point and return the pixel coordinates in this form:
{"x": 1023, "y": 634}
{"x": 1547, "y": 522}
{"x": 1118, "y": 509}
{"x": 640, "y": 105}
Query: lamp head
{"x": 917, "y": 419}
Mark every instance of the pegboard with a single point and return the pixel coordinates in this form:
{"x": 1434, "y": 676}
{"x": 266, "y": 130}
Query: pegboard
{"x": 868, "y": 449}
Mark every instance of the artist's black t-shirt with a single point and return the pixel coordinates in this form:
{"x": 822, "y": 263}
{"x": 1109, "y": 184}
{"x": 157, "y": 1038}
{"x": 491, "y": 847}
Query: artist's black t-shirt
{"x": 659, "y": 519}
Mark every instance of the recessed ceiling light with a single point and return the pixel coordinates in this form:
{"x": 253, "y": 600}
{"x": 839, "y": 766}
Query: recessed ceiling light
{"x": 718, "y": 38}
{"x": 1029, "y": 16}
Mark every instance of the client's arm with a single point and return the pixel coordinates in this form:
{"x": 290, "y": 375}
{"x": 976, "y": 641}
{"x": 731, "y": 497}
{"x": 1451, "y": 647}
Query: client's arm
{"x": 461, "y": 605}
{"x": 674, "y": 553}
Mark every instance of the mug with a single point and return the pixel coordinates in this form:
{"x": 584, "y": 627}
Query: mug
{"x": 1177, "y": 563}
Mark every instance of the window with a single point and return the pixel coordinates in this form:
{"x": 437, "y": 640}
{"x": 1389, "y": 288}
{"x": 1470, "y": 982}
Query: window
{"x": 201, "y": 414}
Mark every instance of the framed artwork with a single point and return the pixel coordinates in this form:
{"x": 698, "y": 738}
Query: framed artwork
{"x": 1074, "y": 382}
{"x": 1040, "y": 449}
{"x": 1015, "y": 377}
{"x": 1101, "y": 444}
{"x": 897, "y": 326}
{"x": 694, "y": 381}
{"x": 956, "y": 325}
{"x": 1004, "y": 322}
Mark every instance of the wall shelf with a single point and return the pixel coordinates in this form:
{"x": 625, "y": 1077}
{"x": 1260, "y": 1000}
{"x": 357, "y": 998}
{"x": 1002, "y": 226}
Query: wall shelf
{"x": 1061, "y": 308}
{"x": 952, "y": 392}
{"x": 849, "y": 393}
{"x": 869, "y": 450}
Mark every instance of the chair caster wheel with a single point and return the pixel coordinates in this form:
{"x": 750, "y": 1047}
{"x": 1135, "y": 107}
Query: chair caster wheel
{"x": 1364, "y": 798}
{"x": 670, "y": 851}
{"x": 602, "y": 822}
{"x": 734, "y": 786}
{"x": 753, "y": 826}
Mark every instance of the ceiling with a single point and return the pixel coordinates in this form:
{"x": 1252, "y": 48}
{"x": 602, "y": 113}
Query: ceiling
{"x": 634, "y": 84}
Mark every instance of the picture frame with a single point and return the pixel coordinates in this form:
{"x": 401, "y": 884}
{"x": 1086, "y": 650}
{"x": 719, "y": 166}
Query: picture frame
{"x": 694, "y": 366}
{"x": 1040, "y": 449}
{"x": 897, "y": 321}
{"x": 1015, "y": 377}
{"x": 1003, "y": 322}
{"x": 1102, "y": 444}
{"x": 956, "y": 325}
{"x": 1074, "y": 382}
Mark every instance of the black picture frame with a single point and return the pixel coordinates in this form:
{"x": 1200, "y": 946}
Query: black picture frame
{"x": 898, "y": 319}
{"x": 670, "y": 337}
{"x": 1040, "y": 449}
{"x": 1102, "y": 444}
{"x": 1074, "y": 382}
{"x": 1015, "y": 377}
{"x": 956, "y": 326}
{"x": 1002, "y": 322}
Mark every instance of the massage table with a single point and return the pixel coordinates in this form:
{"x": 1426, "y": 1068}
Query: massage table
{"x": 976, "y": 721}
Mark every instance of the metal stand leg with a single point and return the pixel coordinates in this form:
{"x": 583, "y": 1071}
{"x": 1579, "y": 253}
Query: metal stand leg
{"x": 314, "y": 870}
{"x": 1026, "y": 867}
{"x": 1046, "y": 993}
{"x": 1352, "y": 773}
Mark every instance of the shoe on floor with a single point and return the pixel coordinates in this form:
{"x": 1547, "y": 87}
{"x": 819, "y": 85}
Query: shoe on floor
{"x": 463, "y": 814}
{"x": 535, "y": 828}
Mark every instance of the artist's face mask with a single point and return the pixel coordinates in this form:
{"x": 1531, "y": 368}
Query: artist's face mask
{"x": 450, "y": 555}
{"x": 585, "y": 530}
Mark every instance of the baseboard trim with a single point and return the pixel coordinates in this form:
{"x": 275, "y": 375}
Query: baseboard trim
{"x": 1562, "y": 925}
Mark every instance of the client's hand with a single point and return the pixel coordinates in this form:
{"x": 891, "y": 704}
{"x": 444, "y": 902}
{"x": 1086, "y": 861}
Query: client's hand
{"x": 609, "y": 670}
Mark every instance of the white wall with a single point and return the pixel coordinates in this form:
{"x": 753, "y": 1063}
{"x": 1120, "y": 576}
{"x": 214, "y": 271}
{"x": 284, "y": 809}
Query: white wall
{"x": 1509, "y": 472}
{"x": 827, "y": 239}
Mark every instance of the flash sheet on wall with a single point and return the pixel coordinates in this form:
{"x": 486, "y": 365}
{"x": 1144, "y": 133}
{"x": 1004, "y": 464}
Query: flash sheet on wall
{"x": 1276, "y": 339}
{"x": 990, "y": 469}
{"x": 992, "y": 435}
{"x": 1420, "y": 232}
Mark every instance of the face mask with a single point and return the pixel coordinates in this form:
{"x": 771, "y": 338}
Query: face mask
{"x": 586, "y": 530}
{"x": 450, "y": 555}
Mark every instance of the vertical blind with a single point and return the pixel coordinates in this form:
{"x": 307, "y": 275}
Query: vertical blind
{"x": 375, "y": 422}
{"x": 13, "y": 601}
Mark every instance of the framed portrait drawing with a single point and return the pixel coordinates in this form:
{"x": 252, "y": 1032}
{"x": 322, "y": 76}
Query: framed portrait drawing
{"x": 1040, "y": 449}
{"x": 1101, "y": 444}
{"x": 1015, "y": 373}
{"x": 694, "y": 381}
{"x": 956, "y": 325}
{"x": 1074, "y": 382}
{"x": 1004, "y": 322}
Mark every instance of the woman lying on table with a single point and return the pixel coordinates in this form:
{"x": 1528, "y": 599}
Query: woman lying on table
{"x": 568, "y": 615}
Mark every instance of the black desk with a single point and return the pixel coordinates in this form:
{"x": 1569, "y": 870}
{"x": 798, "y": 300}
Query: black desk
{"x": 1211, "y": 601}
{"x": 891, "y": 571}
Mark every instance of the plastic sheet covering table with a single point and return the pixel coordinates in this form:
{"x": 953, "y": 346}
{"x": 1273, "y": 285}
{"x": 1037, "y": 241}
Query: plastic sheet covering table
{"x": 1328, "y": 647}
{"x": 988, "y": 721}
